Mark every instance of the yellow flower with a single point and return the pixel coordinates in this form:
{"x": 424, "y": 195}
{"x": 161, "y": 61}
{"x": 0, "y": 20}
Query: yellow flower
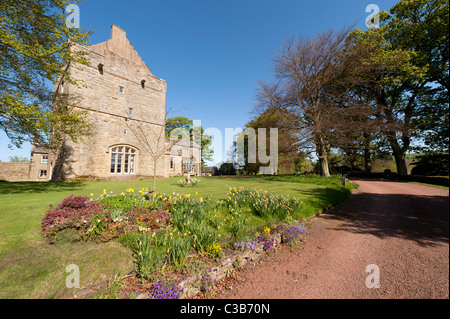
{"x": 196, "y": 193}
{"x": 267, "y": 230}
{"x": 101, "y": 195}
{"x": 92, "y": 195}
{"x": 104, "y": 191}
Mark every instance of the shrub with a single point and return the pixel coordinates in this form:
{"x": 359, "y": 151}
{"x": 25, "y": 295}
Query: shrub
{"x": 145, "y": 219}
{"x": 431, "y": 164}
{"x": 73, "y": 212}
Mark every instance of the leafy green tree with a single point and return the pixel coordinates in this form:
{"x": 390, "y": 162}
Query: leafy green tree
{"x": 180, "y": 126}
{"x": 36, "y": 47}
{"x": 405, "y": 69}
{"x": 19, "y": 159}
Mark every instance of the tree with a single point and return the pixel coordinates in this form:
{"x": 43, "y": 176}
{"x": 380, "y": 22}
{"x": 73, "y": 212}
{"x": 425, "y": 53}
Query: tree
{"x": 153, "y": 141}
{"x": 227, "y": 169}
{"x": 19, "y": 159}
{"x": 180, "y": 126}
{"x": 310, "y": 85}
{"x": 405, "y": 69}
{"x": 287, "y": 142}
{"x": 36, "y": 45}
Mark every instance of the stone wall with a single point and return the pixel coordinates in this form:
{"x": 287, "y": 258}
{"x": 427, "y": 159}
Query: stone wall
{"x": 14, "y": 172}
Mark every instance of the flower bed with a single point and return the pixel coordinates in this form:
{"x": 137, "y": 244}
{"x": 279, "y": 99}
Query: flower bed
{"x": 178, "y": 235}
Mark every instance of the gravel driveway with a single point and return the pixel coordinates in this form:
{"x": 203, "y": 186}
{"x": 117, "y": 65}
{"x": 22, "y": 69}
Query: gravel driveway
{"x": 401, "y": 228}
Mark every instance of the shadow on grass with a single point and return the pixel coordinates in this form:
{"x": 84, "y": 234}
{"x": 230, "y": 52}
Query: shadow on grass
{"x": 320, "y": 198}
{"x": 37, "y": 187}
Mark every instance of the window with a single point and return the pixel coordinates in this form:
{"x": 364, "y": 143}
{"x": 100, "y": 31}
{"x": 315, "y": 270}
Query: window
{"x": 44, "y": 159}
{"x": 121, "y": 89}
{"x": 123, "y": 160}
{"x": 43, "y": 173}
{"x": 143, "y": 84}
{"x": 100, "y": 68}
{"x": 130, "y": 111}
{"x": 171, "y": 163}
{"x": 125, "y": 132}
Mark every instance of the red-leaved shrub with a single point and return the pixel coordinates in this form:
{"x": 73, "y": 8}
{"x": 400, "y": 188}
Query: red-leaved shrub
{"x": 73, "y": 212}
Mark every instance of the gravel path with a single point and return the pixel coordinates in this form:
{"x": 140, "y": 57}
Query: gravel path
{"x": 403, "y": 228}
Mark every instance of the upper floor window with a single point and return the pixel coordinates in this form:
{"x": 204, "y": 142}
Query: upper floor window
{"x": 44, "y": 159}
{"x": 121, "y": 89}
{"x": 123, "y": 160}
{"x": 130, "y": 111}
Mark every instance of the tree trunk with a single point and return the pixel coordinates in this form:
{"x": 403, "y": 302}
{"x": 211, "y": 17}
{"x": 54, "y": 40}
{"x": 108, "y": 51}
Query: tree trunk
{"x": 367, "y": 159}
{"x": 399, "y": 157}
{"x": 154, "y": 180}
{"x": 323, "y": 158}
{"x": 400, "y": 162}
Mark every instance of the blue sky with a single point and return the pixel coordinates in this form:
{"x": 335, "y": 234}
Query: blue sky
{"x": 213, "y": 53}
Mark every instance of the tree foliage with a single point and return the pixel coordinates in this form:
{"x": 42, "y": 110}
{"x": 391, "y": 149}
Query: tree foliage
{"x": 36, "y": 46}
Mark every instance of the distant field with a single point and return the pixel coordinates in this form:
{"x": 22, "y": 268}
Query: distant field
{"x": 31, "y": 268}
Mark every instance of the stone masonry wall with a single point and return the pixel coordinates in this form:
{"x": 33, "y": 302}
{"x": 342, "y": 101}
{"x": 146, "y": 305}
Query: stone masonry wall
{"x": 14, "y": 172}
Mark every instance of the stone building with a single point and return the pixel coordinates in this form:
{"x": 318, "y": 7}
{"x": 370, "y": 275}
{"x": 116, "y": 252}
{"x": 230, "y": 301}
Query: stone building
{"x": 120, "y": 96}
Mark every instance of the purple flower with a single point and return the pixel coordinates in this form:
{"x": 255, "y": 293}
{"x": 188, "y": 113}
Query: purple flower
{"x": 165, "y": 290}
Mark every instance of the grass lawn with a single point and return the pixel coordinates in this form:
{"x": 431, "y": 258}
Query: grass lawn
{"x": 31, "y": 268}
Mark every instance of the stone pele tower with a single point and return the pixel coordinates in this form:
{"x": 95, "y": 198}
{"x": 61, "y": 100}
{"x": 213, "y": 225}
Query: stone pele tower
{"x": 118, "y": 88}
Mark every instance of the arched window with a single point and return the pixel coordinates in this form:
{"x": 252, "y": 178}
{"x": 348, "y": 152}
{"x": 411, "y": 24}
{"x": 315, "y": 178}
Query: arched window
{"x": 123, "y": 159}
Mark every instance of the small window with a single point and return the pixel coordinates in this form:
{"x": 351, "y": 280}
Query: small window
{"x": 44, "y": 159}
{"x": 171, "y": 163}
{"x": 125, "y": 132}
{"x": 100, "y": 68}
{"x": 130, "y": 111}
{"x": 43, "y": 173}
{"x": 143, "y": 84}
{"x": 121, "y": 89}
